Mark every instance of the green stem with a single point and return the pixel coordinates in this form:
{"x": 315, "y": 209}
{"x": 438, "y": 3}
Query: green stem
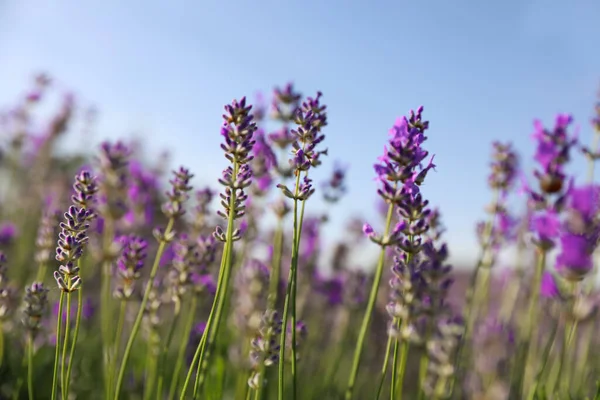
{"x": 209, "y": 341}
{"x": 276, "y": 265}
{"x": 42, "y": 272}
{"x": 138, "y": 319}
{"x": 181, "y": 352}
{"x": 30, "y": 366}
{"x": 289, "y": 298}
{"x": 199, "y": 354}
{"x": 219, "y": 300}
{"x": 163, "y": 356}
{"x": 386, "y": 362}
{"x": 545, "y": 358}
{"x": 401, "y": 370}
{"x": 532, "y": 314}
{"x": 105, "y": 309}
{"x": 115, "y": 351}
{"x": 369, "y": 311}
{"x": 75, "y": 336}
{"x": 57, "y": 346}
{"x": 570, "y": 330}
{"x": 63, "y": 375}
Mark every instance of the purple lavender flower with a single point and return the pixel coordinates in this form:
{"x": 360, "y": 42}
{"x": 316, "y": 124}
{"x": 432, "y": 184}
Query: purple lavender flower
{"x": 180, "y": 186}
{"x": 553, "y": 148}
{"x": 8, "y": 232}
{"x": 335, "y": 187}
{"x": 549, "y": 288}
{"x": 129, "y": 264}
{"x": 35, "y": 305}
{"x": 581, "y": 232}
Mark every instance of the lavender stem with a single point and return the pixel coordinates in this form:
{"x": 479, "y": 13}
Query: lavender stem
{"x": 138, "y": 319}
{"x": 370, "y": 306}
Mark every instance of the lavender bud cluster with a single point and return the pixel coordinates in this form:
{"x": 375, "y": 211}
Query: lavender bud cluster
{"x": 35, "y": 306}
{"x": 129, "y": 265}
{"x": 238, "y": 130}
{"x": 113, "y": 160}
{"x": 265, "y": 347}
{"x": 178, "y": 194}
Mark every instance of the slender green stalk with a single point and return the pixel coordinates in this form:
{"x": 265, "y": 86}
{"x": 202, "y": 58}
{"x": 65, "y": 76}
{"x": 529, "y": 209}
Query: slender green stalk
{"x": 75, "y": 335}
{"x": 212, "y": 333}
{"x": 401, "y": 371}
{"x": 43, "y": 267}
{"x": 105, "y": 309}
{"x": 117, "y": 342}
{"x": 163, "y": 356}
{"x": 276, "y": 265}
{"x": 570, "y": 331}
{"x": 63, "y": 374}
{"x": 57, "y": 348}
{"x": 30, "y": 366}
{"x": 151, "y": 365}
{"x": 369, "y": 311}
{"x": 289, "y": 298}
{"x": 181, "y": 352}
{"x": 545, "y": 358}
{"x": 532, "y": 314}
{"x": 219, "y": 300}
{"x": 386, "y": 362}
{"x": 199, "y": 354}
{"x": 138, "y": 319}
{"x": 395, "y": 364}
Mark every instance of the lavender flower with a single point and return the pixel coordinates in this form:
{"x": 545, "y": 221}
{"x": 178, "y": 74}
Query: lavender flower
{"x": 113, "y": 160}
{"x": 335, "y": 187}
{"x": 178, "y": 193}
{"x": 581, "y": 233}
{"x": 129, "y": 265}
{"x": 35, "y": 305}
{"x": 265, "y": 350}
{"x": 6, "y": 292}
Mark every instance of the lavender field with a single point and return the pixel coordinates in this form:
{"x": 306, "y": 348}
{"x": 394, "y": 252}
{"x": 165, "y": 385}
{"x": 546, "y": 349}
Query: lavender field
{"x": 119, "y": 279}
{"x": 317, "y": 200}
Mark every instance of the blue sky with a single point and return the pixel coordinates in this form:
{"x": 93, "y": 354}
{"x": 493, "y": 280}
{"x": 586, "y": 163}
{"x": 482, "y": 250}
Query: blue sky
{"x": 482, "y": 69}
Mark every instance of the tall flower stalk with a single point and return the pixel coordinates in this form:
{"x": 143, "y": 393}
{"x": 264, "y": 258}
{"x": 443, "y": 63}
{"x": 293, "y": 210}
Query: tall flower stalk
{"x": 238, "y": 129}
{"x": 310, "y": 118}
{"x": 36, "y": 304}
{"x": 399, "y": 174}
{"x": 71, "y": 241}
{"x": 173, "y": 209}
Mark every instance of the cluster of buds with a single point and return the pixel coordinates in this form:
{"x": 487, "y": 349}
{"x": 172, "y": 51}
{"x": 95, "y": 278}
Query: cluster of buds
{"x": 35, "y": 306}
{"x": 504, "y": 167}
{"x": 45, "y": 238}
{"x": 265, "y": 347}
{"x": 178, "y": 194}
{"x": 441, "y": 351}
{"x": 73, "y": 236}
{"x": 71, "y": 241}
{"x": 129, "y": 265}
{"x": 152, "y": 317}
{"x": 400, "y": 173}
{"x": 238, "y": 130}
{"x": 335, "y": 187}
{"x": 580, "y": 233}
{"x": 284, "y": 106}
{"x": 300, "y": 337}
{"x": 190, "y": 261}
{"x": 201, "y": 212}
{"x": 263, "y": 164}
{"x": 113, "y": 160}
{"x": 251, "y": 283}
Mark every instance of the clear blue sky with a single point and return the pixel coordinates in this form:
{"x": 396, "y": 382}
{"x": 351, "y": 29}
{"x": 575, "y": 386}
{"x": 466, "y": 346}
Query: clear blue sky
{"x": 482, "y": 69}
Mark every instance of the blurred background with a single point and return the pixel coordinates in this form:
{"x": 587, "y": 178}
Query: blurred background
{"x": 162, "y": 71}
